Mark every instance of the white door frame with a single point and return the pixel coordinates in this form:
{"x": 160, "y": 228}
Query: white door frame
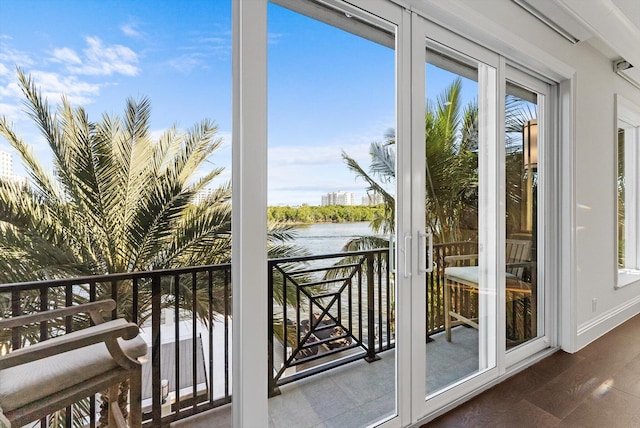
{"x": 249, "y": 254}
{"x": 249, "y": 214}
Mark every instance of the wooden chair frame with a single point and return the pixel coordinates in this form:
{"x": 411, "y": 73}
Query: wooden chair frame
{"x": 518, "y": 253}
{"x": 102, "y": 332}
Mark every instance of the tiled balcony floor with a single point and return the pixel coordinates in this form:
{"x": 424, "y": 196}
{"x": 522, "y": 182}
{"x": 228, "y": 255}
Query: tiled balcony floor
{"x": 357, "y": 394}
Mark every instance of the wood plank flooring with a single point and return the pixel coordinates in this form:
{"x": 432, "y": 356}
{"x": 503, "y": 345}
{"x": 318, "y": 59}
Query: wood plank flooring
{"x": 598, "y": 386}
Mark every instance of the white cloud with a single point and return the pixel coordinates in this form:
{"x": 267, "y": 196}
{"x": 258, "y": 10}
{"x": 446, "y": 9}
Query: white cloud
{"x": 274, "y": 38}
{"x": 200, "y": 51}
{"x": 302, "y": 174}
{"x": 103, "y": 60}
{"x": 130, "y": 30}
{"x": 11, "y": 57}
{"x": 10, "y": 111}
{"x": 96, "y": 59}
{"x": 225, "y": 136}
{"x": 306, "y": 155}
{"x": 186, "y": 63}
{"x": 66, "y": 55}
{"x": 215, "y": 40}
{"x": 53, "y": 86}
{"x": 12, "y": 90}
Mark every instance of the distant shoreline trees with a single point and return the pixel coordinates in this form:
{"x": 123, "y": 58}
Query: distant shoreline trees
{"x": 307, "y": 214}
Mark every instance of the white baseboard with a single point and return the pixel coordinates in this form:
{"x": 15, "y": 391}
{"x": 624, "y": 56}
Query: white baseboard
{"x": 607, "y": 321}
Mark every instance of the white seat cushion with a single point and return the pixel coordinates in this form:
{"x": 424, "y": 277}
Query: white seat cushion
{"x": 26, "y": 383}
{"x": 469, "y": 275}
{"x": 465, "y": 273}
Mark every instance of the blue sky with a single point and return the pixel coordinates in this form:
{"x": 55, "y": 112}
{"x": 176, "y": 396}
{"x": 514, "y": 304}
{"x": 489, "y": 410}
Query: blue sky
{"x": 98, "y": 53}
{"x": 329, "y": 91}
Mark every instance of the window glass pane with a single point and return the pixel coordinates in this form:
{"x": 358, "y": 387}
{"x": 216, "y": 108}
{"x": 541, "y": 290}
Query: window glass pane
{"x": 522, "y": 178}
{"x": 628, "y": 191}
{"x": 621, "y": 201}
{"x": 331, "y": 190}
{"x": 453, "y": 350}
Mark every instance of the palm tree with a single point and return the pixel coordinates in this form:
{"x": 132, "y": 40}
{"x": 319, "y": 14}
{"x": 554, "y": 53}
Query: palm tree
{"x": 382, "y": 173}
{"x": 117, "y": 201}
{"x": 451, "y": 142}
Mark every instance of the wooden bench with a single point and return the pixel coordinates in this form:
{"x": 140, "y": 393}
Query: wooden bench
{"x": 45, "y": 377}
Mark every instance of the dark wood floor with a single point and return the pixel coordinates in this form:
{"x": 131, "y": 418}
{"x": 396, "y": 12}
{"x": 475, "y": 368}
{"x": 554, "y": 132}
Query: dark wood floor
{"x": 599, "y": 386}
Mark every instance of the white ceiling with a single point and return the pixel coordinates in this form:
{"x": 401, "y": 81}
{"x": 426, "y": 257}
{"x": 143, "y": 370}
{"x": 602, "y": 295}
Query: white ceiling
{"x": 611, "y": 26}
{"x": 616, "y": 23}
{"x": 631, "y": 8}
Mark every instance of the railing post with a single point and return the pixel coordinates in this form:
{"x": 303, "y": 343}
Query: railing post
{"x": 16, "y": 310}
{"x": 273, "y": 390}
{"x": 156, "y": 302}
{"x": 44, "y": 306}
{"x": 371, "y": 337}
{"x": 430, "y": 276}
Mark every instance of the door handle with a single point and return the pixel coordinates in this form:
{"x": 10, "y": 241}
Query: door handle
{"x": 392, "y": 254}
{"x": 423, "y": 238}
{"x": 405, "y": 251}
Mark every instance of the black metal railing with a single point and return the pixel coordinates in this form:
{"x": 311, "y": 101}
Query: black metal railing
{"x": 201, "y": 296}
{"x": 325, "y": 311}
{"x": 328, "y": 311}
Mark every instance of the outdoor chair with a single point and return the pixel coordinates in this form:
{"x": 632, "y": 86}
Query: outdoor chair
{"x": 47, "y": 376}
{"x": 461, "y": 275}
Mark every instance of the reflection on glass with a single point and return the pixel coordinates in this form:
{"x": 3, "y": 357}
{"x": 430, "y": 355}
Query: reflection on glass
{"x": 521, "y": 222}
{"x": 621, "y": 198}
{"x": 628, "y": 154}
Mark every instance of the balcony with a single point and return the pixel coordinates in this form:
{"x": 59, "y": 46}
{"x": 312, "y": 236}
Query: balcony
{"x": 330, "y": 314}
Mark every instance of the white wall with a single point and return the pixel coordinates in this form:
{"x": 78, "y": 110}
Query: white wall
{"x": 505, "y": 27}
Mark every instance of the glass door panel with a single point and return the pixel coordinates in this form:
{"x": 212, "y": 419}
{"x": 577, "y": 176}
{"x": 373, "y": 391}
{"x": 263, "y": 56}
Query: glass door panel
{"x": 523, "y": 292}
{"x": 457, "y": 290}
{"x": 331, "y": 147}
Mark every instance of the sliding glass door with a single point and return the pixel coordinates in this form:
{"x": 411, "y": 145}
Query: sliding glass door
{"x": 442, "y": 289}
{"x": 479, "y": 191}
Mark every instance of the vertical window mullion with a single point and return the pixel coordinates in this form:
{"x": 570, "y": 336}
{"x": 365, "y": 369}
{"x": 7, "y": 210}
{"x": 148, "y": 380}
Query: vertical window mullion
{"x": 249, "y": 215}
{"x": 634, "y": 188}
{"x": 632, "y": 214}
{"x": 488, "y": 216}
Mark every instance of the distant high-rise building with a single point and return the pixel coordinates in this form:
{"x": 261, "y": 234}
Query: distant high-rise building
{"x": 373, "y": 199}
{"x": 202, "y": 195}
{"x": 6, "y": 170}
{"x": 6, "y": 165}
{"x": 338, "y": 198}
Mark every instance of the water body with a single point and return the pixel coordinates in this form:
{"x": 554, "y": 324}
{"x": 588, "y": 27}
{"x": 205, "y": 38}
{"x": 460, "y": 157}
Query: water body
{"x": 329, "y": 238}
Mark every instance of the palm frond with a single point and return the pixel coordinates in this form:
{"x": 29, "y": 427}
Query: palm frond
{"x": 386, "y": 223}
{"x": 383, "y": 162}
